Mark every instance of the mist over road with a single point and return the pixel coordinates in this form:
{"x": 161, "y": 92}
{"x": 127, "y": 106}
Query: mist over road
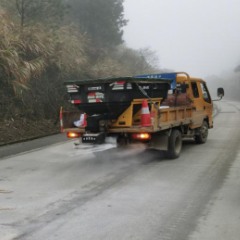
{"x": 59, "y": 192}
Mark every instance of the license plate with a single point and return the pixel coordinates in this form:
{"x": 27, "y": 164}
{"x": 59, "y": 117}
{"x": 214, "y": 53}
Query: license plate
{"x": 97, "y": 138}
{"x": 89, "y": 139}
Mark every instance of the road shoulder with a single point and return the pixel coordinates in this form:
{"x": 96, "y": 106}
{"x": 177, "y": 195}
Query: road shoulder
{"x": 14, "y": 149}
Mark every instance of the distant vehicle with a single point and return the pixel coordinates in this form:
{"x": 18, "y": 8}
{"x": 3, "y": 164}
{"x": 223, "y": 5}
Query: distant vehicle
{"x": 159, "y": 110}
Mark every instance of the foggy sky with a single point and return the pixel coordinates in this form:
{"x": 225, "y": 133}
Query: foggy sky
{"x": 201, "y": 37}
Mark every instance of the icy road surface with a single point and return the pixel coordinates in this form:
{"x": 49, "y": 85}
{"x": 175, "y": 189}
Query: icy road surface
{"x": 102, "y": 193}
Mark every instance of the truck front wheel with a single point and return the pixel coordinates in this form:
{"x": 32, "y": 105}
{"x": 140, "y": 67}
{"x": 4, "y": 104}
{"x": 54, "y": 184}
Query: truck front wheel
{"x": 203, "y": 133}
{"x": 174, "y": 144}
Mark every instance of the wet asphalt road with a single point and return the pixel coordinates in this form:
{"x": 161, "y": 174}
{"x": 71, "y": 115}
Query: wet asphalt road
{"x": 59, "y": 192}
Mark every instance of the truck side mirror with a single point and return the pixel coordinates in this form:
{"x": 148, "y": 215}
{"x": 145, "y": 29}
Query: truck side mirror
{"x": 220, "y": 92}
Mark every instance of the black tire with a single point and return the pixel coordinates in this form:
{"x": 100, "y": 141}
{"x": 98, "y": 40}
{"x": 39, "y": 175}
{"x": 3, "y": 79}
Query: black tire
{"x": 203, "y": 134}
{"x": 174, "y": 144}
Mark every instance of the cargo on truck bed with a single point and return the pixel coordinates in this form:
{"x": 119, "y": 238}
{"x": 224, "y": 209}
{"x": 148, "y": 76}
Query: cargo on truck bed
{"x": 158, "y": 110}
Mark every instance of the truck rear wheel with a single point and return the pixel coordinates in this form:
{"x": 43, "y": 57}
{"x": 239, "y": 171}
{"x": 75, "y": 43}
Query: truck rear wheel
{"x": 174, "y": 144}
{"x": 203, "y": 133}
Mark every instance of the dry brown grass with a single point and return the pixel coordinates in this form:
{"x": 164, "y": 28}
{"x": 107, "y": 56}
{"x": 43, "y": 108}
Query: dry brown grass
{"x": 28, "y": 54}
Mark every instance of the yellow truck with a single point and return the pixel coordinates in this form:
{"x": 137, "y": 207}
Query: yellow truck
{"x": 159, "y": 110}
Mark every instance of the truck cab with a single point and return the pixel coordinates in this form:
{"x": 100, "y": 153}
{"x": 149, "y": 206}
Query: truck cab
{"x": 201, "y": 100}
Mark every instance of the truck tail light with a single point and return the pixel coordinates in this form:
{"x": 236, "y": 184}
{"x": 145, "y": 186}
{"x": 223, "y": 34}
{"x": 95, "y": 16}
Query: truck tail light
{"x": 76, "y": 101}
{"x": 74, "y": 135}
{"x": 141, "y": 136}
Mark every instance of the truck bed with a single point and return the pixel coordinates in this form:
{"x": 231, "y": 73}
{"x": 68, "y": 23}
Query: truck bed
{"x": 168, "y": 118}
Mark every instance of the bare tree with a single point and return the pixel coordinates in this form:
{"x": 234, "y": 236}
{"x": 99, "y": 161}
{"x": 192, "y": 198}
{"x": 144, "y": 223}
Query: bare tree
{"x": 150, "y": 57}
{"x": 32, "y": 11}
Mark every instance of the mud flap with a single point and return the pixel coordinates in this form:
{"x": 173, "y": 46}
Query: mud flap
{"x": 159, "y": 141}
{"x": 79, "y": 143}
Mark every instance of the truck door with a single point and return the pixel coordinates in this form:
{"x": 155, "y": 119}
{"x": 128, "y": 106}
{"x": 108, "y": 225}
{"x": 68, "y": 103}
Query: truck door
{"x": 196, "y": 96}
{"x": 199, "y": 112}
{"x": 207, "y": 102}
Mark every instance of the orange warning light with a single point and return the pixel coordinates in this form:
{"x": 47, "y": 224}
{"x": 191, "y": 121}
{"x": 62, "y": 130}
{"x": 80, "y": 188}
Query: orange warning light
{"x": 74, "y": 135}
{"x": 141, "y": 136}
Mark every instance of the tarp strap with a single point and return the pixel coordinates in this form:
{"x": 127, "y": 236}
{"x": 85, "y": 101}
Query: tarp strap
{"x": 145, "y": 94}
